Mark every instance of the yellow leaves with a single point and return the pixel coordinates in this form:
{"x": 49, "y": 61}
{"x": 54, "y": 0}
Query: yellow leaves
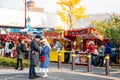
{"x": 74, "y": 3}
{"x": 79, "y": 13}
{"x": 81, "y": 16}
{"x": 94, "y": 22}
{"x": 79, "y": 10}
{"x": 69, "y": 3}
{"x": 63, "y": 16}
{"x": 62, "y": 2}
{"x": 58, "y": 27}
{"x": 65, "y": 9}
{"x": 71, "y": 11}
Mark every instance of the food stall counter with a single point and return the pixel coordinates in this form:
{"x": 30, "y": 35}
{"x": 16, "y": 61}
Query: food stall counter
{"x": 54, "y": 55}
{"x": 80, "y": 58}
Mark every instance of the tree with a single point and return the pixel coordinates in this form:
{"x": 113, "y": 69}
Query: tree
{"x": 71, "y": 12}
{"x": 109, "y": 27}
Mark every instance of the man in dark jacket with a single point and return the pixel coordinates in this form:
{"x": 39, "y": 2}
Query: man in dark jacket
{"x": 34, "y": 56}
{"x": 20, "y": 53}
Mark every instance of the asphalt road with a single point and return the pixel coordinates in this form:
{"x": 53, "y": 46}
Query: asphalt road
{"x": 64, "y": 73}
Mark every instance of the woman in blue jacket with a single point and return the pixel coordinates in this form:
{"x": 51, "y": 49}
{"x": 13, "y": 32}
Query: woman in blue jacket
{"x": 45, "y": 58}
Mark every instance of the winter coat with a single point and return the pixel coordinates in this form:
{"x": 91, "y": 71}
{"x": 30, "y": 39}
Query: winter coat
{"x": 46, "y": 54}
{"x": 101, "y": 50}
{"x": 108, "y": 49}
{"x": 91, "y": 48}
{"x": 34, "y": 52}
{"x": 20, "y": 53}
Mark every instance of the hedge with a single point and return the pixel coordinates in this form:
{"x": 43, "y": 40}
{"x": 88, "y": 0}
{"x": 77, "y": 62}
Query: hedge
{"x": 11, "y": 62}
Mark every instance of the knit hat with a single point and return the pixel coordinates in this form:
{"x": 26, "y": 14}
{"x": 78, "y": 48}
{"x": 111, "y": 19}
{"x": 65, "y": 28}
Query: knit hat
{"x": 37, "y": 36}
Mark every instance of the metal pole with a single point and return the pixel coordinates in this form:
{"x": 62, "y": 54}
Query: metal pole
{"x": 73, "y": 55}
{"x": 25, "y": 11}
{"x": 107, "y": 70}
{"x": 89, "y": 63}
{"x": 59, "y": 60}
{"x": 73, "y": 61}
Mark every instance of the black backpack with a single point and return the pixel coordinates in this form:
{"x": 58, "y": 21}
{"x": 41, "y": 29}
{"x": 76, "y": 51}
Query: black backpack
{"x": 10, "y": 46}
{"x": 23, "y": 47}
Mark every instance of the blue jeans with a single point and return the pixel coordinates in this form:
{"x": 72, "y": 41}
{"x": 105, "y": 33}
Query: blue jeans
{"x": 92, "y": 59}
{"x": 32, "y": 72}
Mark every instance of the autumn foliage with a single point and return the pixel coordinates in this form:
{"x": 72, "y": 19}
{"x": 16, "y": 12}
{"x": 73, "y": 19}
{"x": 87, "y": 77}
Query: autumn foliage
{"x": 70, "y": 12}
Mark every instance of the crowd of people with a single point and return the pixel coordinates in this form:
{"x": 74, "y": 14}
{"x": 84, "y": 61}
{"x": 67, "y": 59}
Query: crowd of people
{"x": 38, "y": 53}
{"x": 98, "y": 54}
{"x": 9, "y": 42}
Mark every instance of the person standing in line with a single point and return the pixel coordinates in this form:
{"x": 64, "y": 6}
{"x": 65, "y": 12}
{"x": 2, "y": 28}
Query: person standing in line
{"x": 45, "y": 58}
{"x": 101, "y": 54}
{"x": 91, "y": 50}
{"x": 20, "y": 53}
{"x": 58, "y": 45}
{"x": 96, "y": 56}
{"x": 34, "y": 56}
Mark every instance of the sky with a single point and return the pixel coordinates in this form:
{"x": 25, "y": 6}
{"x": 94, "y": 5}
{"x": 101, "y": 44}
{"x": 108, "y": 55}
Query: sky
{"x": 92, "y": 6}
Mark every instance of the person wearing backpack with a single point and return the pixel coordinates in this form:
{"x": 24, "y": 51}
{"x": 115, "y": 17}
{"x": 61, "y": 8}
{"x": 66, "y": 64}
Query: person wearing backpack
{"x": 9, "y": 48}
{"x": 20, "y": 48}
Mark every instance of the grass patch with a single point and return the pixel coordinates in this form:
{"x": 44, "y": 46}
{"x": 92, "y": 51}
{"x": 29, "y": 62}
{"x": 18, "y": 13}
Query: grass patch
{"x": 11, "y": 62}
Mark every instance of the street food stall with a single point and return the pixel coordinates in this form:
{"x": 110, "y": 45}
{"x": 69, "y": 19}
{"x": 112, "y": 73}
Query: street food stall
{"x": 52, "y": 36}
{"x": 81, "y": 38}
{"x": 84, "y": 35}
{"x": 73, "y": 39}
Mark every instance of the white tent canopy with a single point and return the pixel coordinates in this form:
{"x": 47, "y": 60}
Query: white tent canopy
{"x": 28, "y": 30}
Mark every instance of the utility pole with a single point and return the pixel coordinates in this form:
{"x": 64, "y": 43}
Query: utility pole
{"x": 25, "y": 10}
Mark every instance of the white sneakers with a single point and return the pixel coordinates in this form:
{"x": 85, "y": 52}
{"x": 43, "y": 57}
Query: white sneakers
{"x": 45, "y": 76}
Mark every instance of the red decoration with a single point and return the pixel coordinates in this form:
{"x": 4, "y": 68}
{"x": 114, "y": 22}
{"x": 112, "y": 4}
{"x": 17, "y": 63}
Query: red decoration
{"x": 5, "y": 40}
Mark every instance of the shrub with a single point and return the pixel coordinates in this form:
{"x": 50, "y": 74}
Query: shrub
{"x": 11, "y": 62}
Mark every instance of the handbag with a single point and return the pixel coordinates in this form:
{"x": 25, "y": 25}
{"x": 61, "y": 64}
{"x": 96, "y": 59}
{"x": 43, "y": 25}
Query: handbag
{"x": 20, "y": 56}
{"x": 42, "y": 58}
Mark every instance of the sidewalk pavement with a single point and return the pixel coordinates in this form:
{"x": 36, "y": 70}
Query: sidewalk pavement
{"x": 64, "y": 73}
